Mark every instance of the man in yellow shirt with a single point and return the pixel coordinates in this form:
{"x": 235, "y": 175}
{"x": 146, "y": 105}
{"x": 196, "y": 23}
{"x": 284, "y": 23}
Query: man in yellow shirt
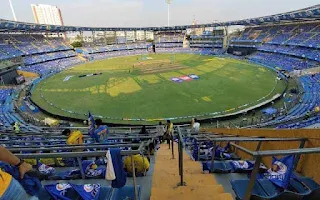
{"x": 10, "y": 188}
{"x": 74, "y": 137}
{"x": 169, "y": 131}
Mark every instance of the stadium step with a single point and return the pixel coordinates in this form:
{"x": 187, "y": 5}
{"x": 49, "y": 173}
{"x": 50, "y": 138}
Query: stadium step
{"x": 291, "y": 37}
{"x": 35, "y": 46}
{"x": 315, "y": 28}
{"x": 316, "y": 34}
{"x": 166, "y": 178}
{"x": 16, "y": 46}
{"x": 82, "y": 58}
{"x": 190, "y": 196}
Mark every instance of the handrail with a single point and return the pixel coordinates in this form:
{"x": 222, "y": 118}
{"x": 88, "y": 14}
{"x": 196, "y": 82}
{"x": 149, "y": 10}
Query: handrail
{"x": 180, "y": 150}
{"x": 72, "y": 147}
{"x": 51, "y": 136}
{"x": 287, "y": 152}
{"x": 78, "y": 155}
{"x": 72, "y": 154}
{"x": 63, "y": 145}
{"x": 242, "y": 148}
{"x": 257, "y": 155}
{"x": 214, "y": 140}
{"x": 251, "y": 139}
{"x": 107, "y": 138}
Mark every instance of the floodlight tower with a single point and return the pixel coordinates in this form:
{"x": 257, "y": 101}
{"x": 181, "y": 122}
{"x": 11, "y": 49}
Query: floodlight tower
{"x": 168, "y": 2}
{"x": 13, "y": 13}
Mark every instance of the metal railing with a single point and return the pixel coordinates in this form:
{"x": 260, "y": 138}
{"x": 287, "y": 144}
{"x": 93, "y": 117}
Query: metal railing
{"x": 180, "y": 152}
{"x": 257, "y": 156}
{"x": 120, "y": 137}
{"x": 79, "y": 155}
{"x": 260, "y": 140}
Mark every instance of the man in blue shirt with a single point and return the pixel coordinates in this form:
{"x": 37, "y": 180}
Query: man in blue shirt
{"x": 100, "y": 132}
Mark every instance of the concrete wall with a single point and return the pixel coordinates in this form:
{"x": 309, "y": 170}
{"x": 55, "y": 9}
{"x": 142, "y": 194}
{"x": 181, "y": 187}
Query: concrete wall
{"x": 309, "y": 165}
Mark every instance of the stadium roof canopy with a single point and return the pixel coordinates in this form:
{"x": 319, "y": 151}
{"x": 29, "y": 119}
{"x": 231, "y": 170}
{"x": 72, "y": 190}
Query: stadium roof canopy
{"x": 302, "y": 15}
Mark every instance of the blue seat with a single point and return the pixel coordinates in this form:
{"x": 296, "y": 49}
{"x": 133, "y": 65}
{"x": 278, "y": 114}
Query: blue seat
{"x": 299, "y": 187}
{"x": 239, "y": 187}
{"x": 264, "y": 189}
{"x": 219, "y": 167}
{"x": 105, "y": 193}
{"x": 126, "y": 192}
{"x": 313, "y": 186}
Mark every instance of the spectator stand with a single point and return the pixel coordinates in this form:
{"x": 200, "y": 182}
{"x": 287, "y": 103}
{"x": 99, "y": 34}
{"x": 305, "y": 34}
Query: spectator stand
{"x": 100, "y": 151}
{"x": 257, "y": 156}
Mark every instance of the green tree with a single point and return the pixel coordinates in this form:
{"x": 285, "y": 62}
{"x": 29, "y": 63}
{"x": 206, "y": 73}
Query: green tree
{"x": 149, "y": 40}
{"x": 76, "y": 44}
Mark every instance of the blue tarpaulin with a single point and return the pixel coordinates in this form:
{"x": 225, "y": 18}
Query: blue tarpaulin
{"x": 269, "y": 111}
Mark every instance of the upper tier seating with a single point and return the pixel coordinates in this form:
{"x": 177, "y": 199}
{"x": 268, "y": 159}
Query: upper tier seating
{"x": 27, "y": 44}
{"x": 284, "y": 62}
{"x": 52, "y": 66}
{"x": 33, "y": 59}
{"x": 206, "y": 41}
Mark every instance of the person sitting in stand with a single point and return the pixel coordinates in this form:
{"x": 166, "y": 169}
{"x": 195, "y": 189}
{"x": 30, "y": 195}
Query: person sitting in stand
{"x": 143, "y": 131}
{"x": 74, "y": 137}
{"x": 100, "y": 132}
{"x": 10, "y": 188}
{"x": 151, "y": 146}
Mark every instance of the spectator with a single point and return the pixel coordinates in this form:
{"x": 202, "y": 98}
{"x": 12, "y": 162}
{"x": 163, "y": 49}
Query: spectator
{"x": 141, "y": 164}
{"x": 74, "y": 138}
{"x": 143, "y": 131}
{"x": 196, "y": 126}
{"x": 10, "y": 188}
{"x": 101, "y": 131}
{"x": 169, "y": 131}
{"x": 16, "y": 127}
{"x": 160, "y": 131}
{"x": 192, "y": 123}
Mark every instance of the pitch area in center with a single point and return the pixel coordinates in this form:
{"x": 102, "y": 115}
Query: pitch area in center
{"x": 156, "y": 86}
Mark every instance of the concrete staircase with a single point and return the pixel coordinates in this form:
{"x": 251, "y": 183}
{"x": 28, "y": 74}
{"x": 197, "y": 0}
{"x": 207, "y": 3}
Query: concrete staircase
{"x": 198, "y": 185}
{"x": 314, "y": 28}
{"x": 81, "y": 57}
{"x": 293, "y": 36}
{"x": 17, "y": 47}
{"x": 311, "y": 37}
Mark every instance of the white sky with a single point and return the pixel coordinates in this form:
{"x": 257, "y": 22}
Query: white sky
{"x": 137, "y": 13}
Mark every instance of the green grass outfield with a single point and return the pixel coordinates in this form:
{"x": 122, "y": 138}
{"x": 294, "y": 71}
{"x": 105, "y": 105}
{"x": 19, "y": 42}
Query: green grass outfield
{"x": 146, "y": 92}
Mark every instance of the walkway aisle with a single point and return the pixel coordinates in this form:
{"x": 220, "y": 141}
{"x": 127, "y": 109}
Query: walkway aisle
{"x": 166, "y": 177}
